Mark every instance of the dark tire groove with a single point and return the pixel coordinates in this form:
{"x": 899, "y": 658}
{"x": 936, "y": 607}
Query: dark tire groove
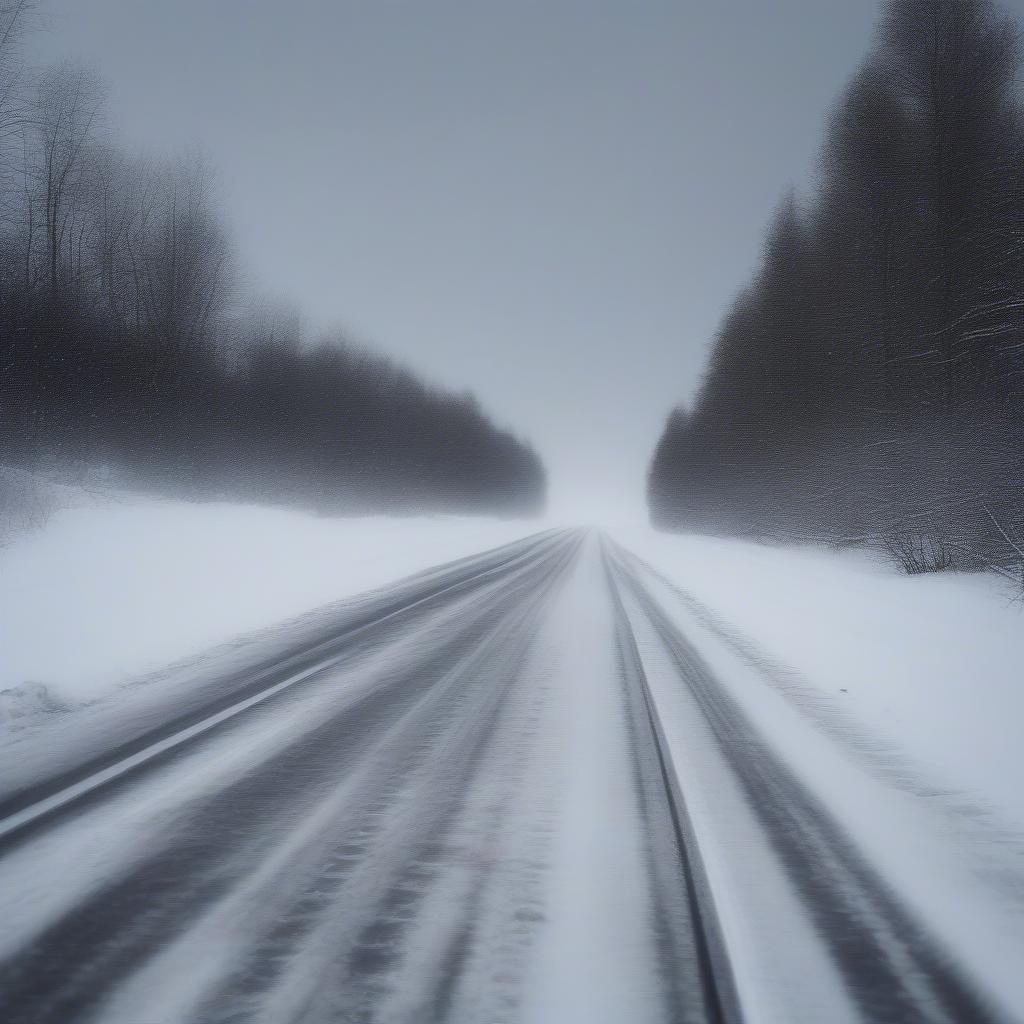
{"x": 350, "y": 638}
{"x": 859, "y": 919}
{"x": 72, "y": 966}
{"x": 693, "y": 929}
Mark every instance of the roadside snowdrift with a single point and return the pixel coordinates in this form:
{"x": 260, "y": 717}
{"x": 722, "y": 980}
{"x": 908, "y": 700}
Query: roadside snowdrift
{"x": 111, "y": 588}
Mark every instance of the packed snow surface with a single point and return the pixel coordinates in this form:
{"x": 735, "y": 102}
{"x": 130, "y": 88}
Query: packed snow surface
{"x": 930, "y": 666}
{"x": 896, "y": 702}
{"x": 114, "y": 587}
{"x": 893, "y": 704}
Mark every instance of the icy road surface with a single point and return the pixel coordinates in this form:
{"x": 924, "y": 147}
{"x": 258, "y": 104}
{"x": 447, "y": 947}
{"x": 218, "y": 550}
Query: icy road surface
{"x": 509, "y": 789}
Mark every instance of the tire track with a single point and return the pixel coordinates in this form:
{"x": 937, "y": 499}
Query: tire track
{"x": 892, "y": 968}
{"x": 24, "y": 813}
{"x": 79, "y": 960}
{"x": 359, "y": 929}
{"x": 694, "y": 967}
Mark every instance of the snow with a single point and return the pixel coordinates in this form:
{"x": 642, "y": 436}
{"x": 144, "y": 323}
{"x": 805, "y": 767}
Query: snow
{"x": 596, "y": 960}
{"x": 791, "y": 977}
{"x": 927, "y": 667}
{"x": 39, "y": 882}
{"x": 113, "y": 587}
{"x": 543, "y": 849}
{"x": 925, "y": 670}
{"x": 896, "y": 700}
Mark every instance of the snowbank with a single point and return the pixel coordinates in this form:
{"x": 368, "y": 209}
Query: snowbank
{"x": 932, "y": 666}
{"x": 112, "y": 588}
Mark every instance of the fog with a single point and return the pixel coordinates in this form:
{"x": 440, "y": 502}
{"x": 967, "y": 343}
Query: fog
{"x": 548, "y": 204}
{"x": 511, "y": 510}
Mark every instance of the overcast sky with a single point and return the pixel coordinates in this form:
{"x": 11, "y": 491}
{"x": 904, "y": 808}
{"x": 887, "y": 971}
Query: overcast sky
{"x": 549, "y": 202}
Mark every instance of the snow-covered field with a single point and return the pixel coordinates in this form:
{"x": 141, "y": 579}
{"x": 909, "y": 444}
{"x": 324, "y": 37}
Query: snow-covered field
{"x": 112, "y": 587}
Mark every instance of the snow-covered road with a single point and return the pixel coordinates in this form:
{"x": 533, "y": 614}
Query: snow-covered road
{"x": 508, "y": 789}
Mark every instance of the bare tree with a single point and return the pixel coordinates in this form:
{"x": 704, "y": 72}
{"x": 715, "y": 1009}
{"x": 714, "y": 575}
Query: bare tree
{"x": 67, "y": 108}
{"x": 184, "y": 268}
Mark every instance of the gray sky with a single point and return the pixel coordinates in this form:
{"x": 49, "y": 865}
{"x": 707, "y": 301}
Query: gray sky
{"x": 549, "y": 202}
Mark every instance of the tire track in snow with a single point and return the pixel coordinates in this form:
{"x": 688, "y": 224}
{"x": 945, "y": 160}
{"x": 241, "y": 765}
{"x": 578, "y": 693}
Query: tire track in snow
{"x": 893, "y": 969}
{"x": 79, "y": 960}
{"x": 693, "y": 963}
{"x": 27, "y": 809}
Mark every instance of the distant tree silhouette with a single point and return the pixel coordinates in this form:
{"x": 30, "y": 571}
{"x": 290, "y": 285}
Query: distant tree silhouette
{"x": 868, "y": 384}
{"x": 125, "y": 342}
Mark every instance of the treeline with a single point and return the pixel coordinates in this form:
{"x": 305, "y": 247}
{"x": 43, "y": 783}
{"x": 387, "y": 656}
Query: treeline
{"x": 868, "y": 384}
{"x": 126, "y": 344}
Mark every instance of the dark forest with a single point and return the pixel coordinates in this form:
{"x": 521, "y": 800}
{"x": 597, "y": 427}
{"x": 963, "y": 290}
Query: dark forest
{"x": 867, "y": 386}
{"x": 130, "y": 350}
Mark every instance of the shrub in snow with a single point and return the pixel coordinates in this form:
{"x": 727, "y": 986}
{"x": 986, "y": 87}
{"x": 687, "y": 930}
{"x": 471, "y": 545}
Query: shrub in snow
{"x": 26, "y": 700}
